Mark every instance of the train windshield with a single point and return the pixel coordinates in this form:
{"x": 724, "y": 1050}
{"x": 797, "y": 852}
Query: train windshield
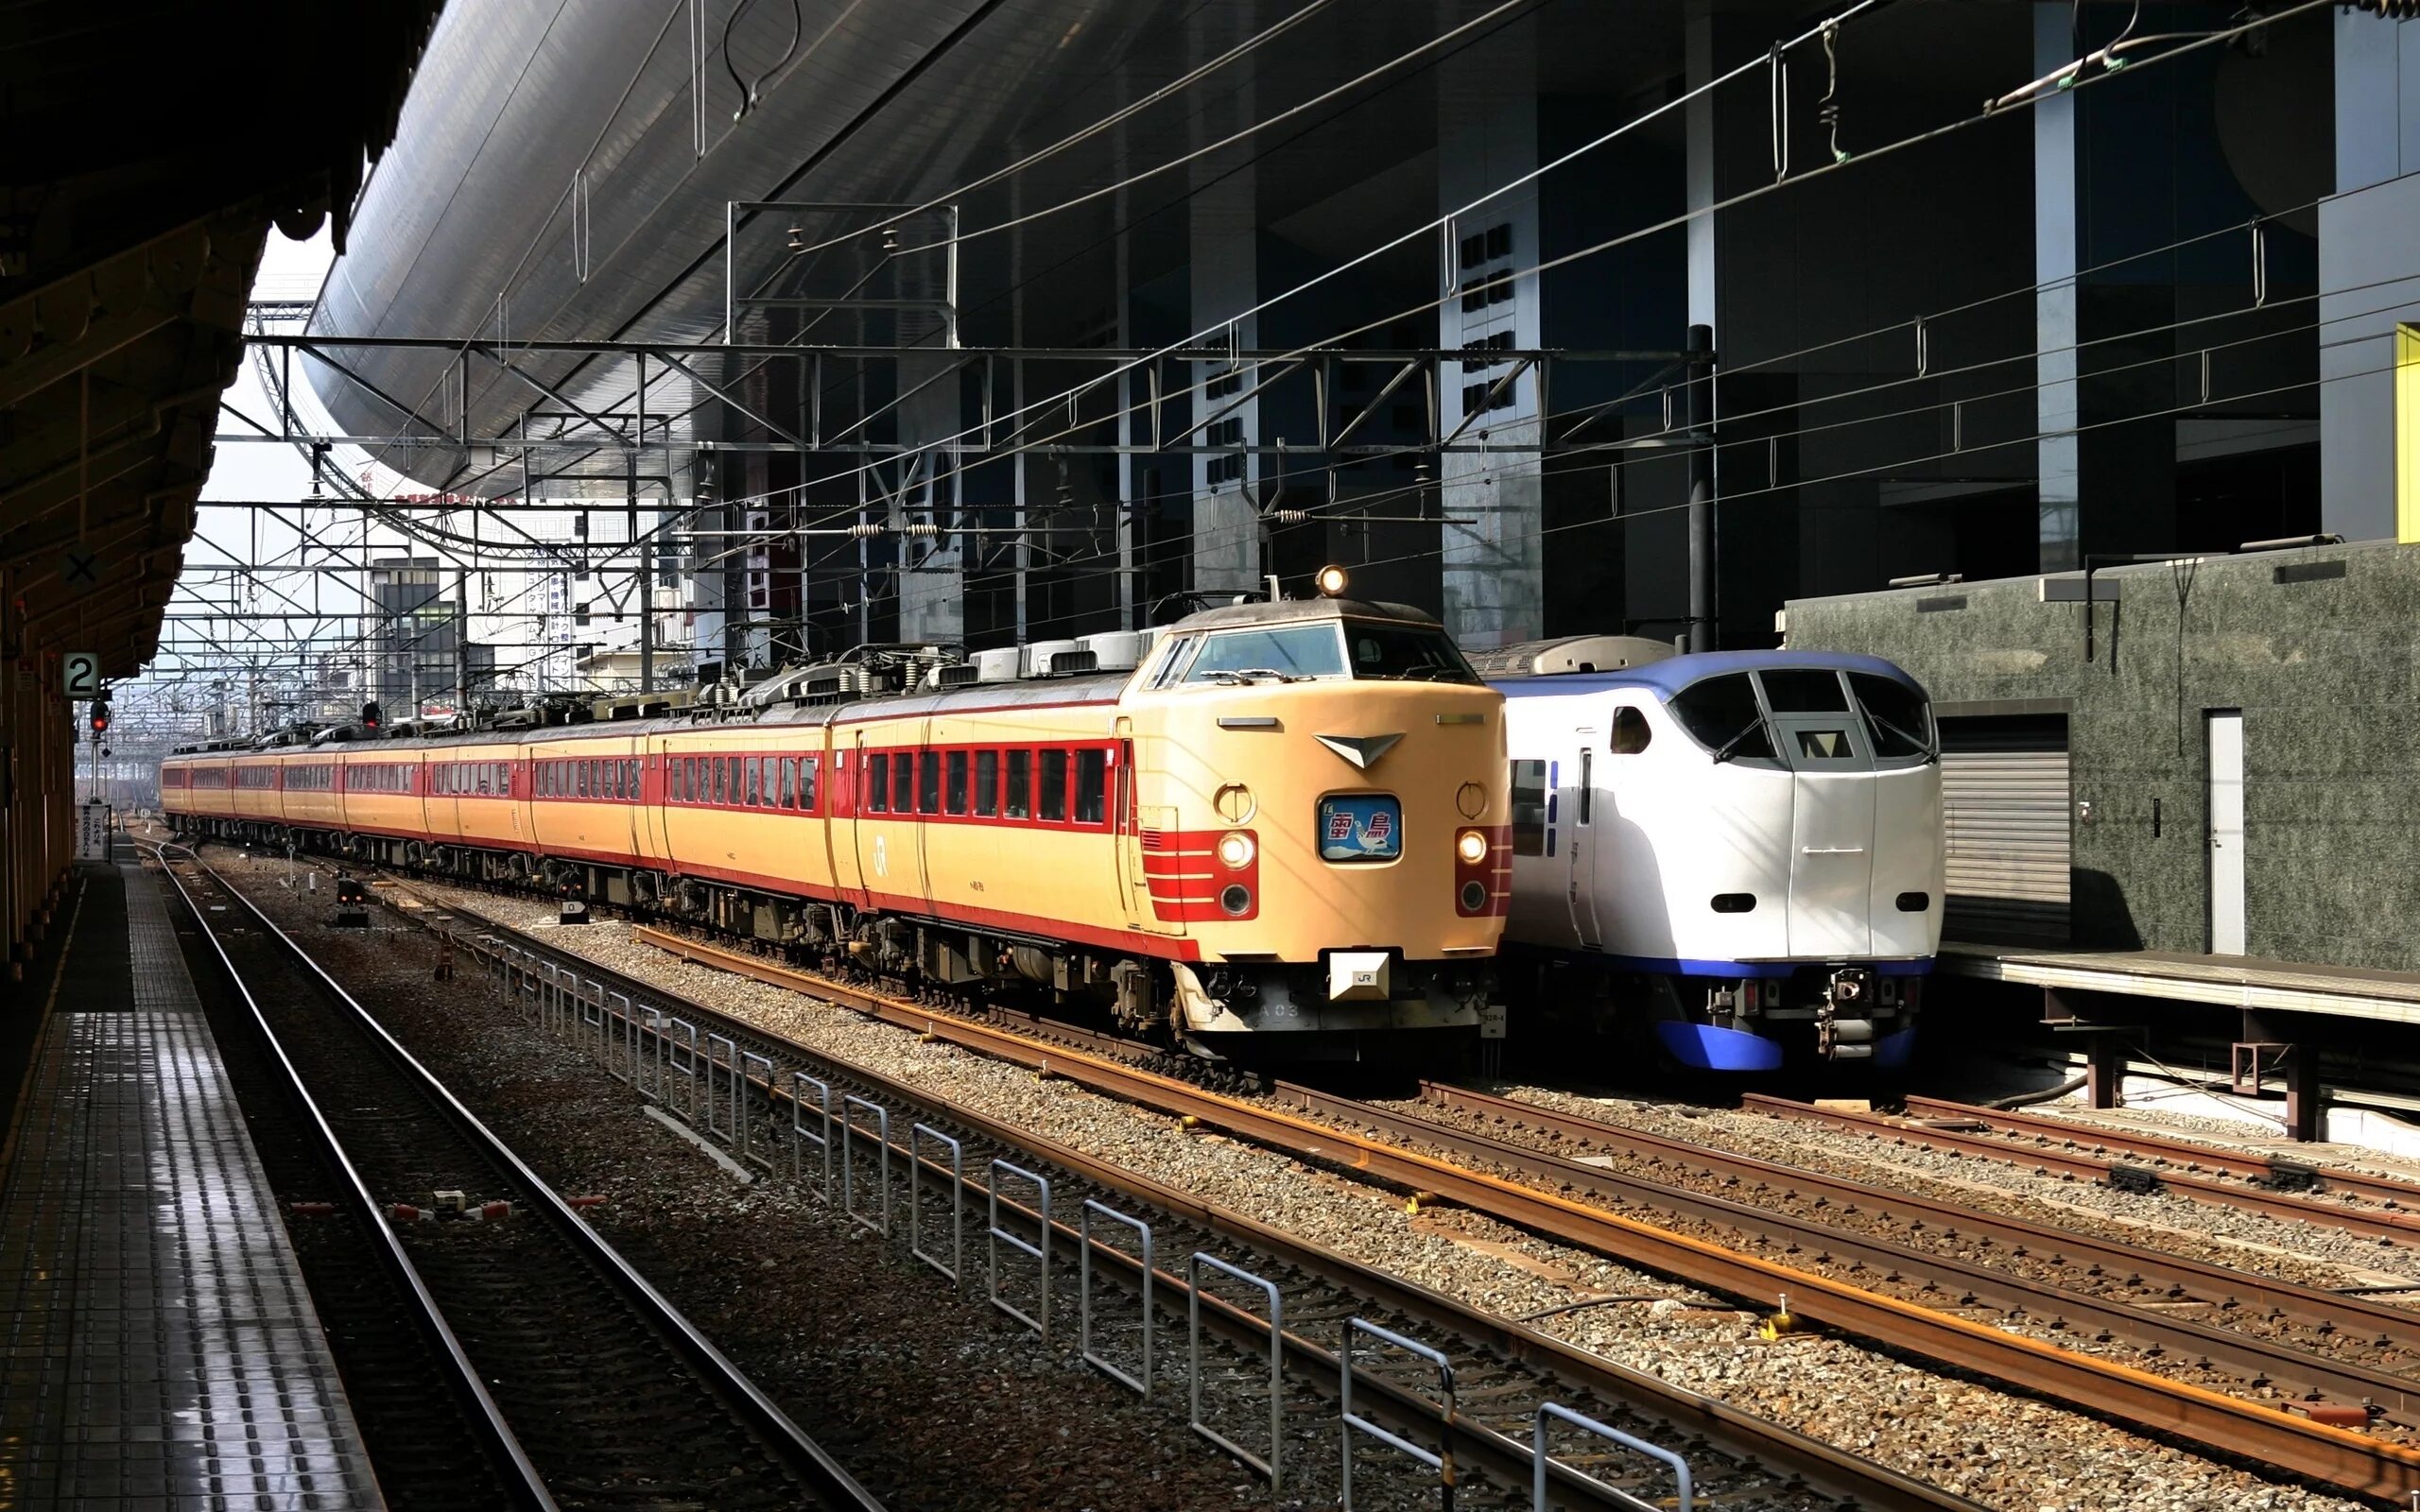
{"x": 1808, "y": 713}
{"x": 1355, "y": 648}
{"x": 1409, "y": 652}
{"x": 1285, "y": 653}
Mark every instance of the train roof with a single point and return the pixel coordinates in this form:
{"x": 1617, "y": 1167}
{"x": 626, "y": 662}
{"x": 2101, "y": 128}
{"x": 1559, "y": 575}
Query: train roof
{"x": 1297, "y": 610}
{"x": 1671, "y": 675}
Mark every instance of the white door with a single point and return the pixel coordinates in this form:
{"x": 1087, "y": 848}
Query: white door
{"x": 1583, "y": 847}
{"x": 2226, "y": 730}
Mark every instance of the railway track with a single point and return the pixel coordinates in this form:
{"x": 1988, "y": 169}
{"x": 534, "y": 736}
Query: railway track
{"x": 590, "y": 1389}
{"x": 2218, "y": 1423}
{"x": 2372, "y": 1206}
{"x": 1501, "y": 1369}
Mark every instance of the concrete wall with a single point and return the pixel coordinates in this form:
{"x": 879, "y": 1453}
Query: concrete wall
{"x": 2325, "y": 666}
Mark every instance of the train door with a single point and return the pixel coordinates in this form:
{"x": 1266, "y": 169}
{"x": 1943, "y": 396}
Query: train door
{"x": 654, "y": 788}
{"x": 929, "y": 803}
{"x": 849, "y": 788}
{"x": 1584, "y": 848}
{"x": 1831, "y": 830}
{"x": 1132, "y": 821}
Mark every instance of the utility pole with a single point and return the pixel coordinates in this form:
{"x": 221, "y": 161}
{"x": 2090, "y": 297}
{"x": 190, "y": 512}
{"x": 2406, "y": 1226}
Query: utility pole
{"x": 461, "y": 647}
{"x": 1699, "y": 419}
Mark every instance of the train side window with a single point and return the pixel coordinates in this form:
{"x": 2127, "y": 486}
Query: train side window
{"x": 878, "y": 782}
{"x": 755, "y": 780}
{"x": 1091, "y": 786}
{"x": 1172, "y": 665}
{"x": 806, "y": 768}
{"x": 784, "y": 793}
{"x": 581, "y": 767}
{"x": 903, "y": 783}
{"x": 1587, "y": 782}
{"x": 1054, "y": 785}
{"x": 929, "y": 782}
{"x": 1528, "y": 808}
{"x": 956, "y": 791}
{"x": 1019, "y": 804}
{"x": 1899, "y": 719}
{"x": 630, "y": 776}
{"x": 986, "y": 782}
{"x": 486, "y": 777}
{"x": 1631, "y": 732}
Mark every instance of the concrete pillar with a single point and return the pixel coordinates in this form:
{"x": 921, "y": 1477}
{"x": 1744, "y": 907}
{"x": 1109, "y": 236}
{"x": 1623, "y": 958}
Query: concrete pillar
{"x": 2366, "y": 234}
{"x": 1487, "y": 133}
{"x": 2055, "y": 321}
{"x": 2107, "y": 478}
{"x": 1225, "y": 229}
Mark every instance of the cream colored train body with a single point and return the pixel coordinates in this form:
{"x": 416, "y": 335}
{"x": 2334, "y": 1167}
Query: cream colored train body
{"x": 1289, "y": 824}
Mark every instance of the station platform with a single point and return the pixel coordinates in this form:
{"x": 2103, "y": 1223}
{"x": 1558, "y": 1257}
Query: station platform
{"x": 158, "y": 1347}
{"x": 2227, "y": 981}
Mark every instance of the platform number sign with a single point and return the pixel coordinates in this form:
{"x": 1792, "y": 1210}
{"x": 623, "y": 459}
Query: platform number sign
{"x": 81, "y": 675}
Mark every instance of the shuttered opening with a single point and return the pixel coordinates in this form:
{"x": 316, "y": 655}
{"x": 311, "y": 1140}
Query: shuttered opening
{"x": 2005, "y": 802}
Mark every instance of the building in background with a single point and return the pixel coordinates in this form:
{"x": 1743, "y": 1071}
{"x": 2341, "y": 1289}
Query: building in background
{"x": 2153, "y": 311}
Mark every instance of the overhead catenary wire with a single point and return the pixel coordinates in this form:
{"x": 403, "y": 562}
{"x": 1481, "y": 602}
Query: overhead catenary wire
{"x": 1326, "y": 344}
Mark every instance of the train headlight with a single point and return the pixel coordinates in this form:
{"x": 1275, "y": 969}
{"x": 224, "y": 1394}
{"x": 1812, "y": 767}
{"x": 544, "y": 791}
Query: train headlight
{"x": 1331, "y": 581}
{"x": 1236, "y": 850}
{"x": 1471, "y": 846}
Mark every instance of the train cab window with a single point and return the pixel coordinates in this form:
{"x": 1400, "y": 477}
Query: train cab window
{"x": 1528, "y": 808}
{"x": 878, "y": 783}
{"x": 903, "y": 783}
{"x": 1898, "y": 716}
{"x": 1804, "y": 691}
{"x": 986, "y": 782}
{"x": 1284, "y": 651}
{"x": 1172, "y": 663}
{"x": 1405, "y": 652}
{"x": 1631, "y": 732}
{"x": 1054, "y": 785}
{"x": 1091, "y": 786}
{"x": 1721, "y": 714}
{"x": 1822, "y": 744}
{"x": 929, "y": 782}
{"x": 1019, "y": 802}
{"x": 955, "y": 788}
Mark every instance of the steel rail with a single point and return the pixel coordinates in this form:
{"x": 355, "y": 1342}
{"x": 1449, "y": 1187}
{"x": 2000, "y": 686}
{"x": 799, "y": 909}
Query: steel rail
{"x": 2105, "y": 1169}
{"x": 1832, "y": 1470}
{"x": 2214, "y": 1423}
{"x": 2217, "y": 1284}
{"x": 527, "y": 1487}
{"x": 2259, "y": 1362}
{"x": 801, "y": 1454}
{"x": 2386, "y": 1191}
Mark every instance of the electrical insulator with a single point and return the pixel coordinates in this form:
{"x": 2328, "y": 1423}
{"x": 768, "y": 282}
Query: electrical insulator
{"x": 2391, "y": 10}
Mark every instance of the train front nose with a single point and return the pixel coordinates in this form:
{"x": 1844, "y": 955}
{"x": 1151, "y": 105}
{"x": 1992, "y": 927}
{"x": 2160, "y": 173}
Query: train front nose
{"x": 1379, "y": 880}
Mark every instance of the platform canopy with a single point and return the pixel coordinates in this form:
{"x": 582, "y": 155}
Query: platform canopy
{"x": 152, "y": 146}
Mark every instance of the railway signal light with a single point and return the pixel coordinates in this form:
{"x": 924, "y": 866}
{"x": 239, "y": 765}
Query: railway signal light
{"x": 100, "y": 717}
{"x": 370, "y": 714}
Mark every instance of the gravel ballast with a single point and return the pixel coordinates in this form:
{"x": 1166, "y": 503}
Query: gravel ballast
{"x": 2004, "y": 1450}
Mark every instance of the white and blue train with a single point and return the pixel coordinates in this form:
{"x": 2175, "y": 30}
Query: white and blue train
{"x": 1740, "y": 852}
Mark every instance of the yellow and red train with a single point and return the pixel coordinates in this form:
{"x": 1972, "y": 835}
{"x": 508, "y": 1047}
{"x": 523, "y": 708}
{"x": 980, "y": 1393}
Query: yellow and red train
{"x": 1283, "y": 834}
